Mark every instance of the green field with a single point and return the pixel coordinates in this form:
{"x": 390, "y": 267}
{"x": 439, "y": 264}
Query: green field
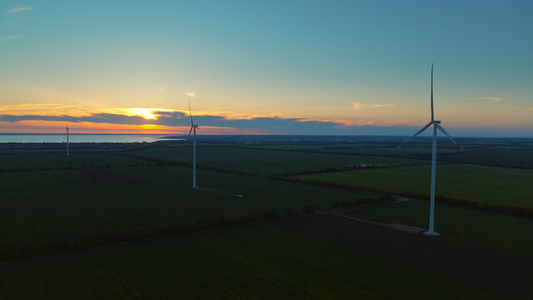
{"x": 42, "y": 207}
{"x": 46, "y": 206}
{"x": 522, "y": 158}
{"x": 54, "y": 161}
{"x": 505, "y": 233}
{"x": 511, "y": 187}
{"x": 258, "y": 261}
{"x": 269, "y": 162}
{"x": 48, "y": 198}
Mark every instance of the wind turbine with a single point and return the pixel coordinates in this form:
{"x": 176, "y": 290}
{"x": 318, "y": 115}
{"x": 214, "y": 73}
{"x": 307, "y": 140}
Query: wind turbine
{"x": 193, "y": 130}
{"x": 436, "y": 125}
{"x": 68, "y": 142}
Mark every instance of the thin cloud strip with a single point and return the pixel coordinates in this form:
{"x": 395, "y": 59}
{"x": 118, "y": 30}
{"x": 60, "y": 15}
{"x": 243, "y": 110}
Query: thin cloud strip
{"x": 358, "y": 105}
{"x": 487, "y": 99}
{"x": 383, "y": 105}
{"x": 11, "y": 37}
{"x": 19, "y": 9}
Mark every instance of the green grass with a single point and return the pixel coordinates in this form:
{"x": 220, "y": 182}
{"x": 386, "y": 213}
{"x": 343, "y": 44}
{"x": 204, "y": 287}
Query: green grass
{"x": 259, "y": 261}
{"x": 389, "y": 148}
{"x": 516, "y": 158}
{"x": 46, "y": 206}
{"x": 505, "y": 233}
{"x": 268, "y": 162}
{"x": 15, "y": 162}
{"x": 511, "y": 187}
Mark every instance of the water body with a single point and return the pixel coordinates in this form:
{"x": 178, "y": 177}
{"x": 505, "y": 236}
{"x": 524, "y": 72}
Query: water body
{"x": 84, "y": 138}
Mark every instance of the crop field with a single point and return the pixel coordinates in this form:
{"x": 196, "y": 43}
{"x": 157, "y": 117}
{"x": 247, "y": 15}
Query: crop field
{"x": 46, "y": 206}
{"x": 16, "y": 162}
{"x": 505, "y": 158}
{"x": 493, "y": 152}
{"x": 505, "y": 233}
{"x": 42, "y": 207}
{"x": 269, "y": 162}
{"x": 512, "y": 187}
{"x": 47, "y": 198}
{"x": 254, "y": 261}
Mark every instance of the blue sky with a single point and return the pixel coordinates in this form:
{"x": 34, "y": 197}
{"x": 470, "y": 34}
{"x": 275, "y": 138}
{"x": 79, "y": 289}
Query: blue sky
{"x": 272, "y": 67}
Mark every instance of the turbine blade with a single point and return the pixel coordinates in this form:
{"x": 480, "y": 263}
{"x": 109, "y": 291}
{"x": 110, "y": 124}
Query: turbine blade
{"x": 419, "y": 132}
{"x": 445, "y": 133}
{"x": 190, "y": 112}
{"x": 188, "y": 137}
{"x": 432, "y": 114}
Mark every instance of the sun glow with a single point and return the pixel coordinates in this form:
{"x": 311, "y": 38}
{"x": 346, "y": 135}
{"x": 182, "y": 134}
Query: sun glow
{"x": 145, "y": 113}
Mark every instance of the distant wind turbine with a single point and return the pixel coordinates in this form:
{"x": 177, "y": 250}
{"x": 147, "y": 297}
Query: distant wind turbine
{"x": 68, "y": 141}
{"x": 193, "y": 130}
{"x": 436, "y": 125}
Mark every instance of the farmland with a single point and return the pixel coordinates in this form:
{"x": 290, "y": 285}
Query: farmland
{"x": 505, "y": 233}
{"x": 269, "y": 162}
{"x": 500, "y": 186}
{"x": 243, "y": 262}
{"x": 37, "y": 206}
{"x": 138, "y": 199}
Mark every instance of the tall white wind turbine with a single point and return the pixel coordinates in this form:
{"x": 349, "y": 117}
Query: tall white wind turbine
{"x": 193, "y": 130}
{"x": 436, "y": 125}
{"x": 68, "y": 141}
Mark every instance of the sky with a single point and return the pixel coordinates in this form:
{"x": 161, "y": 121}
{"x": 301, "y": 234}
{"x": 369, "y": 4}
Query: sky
{"x": 266, "y": 67}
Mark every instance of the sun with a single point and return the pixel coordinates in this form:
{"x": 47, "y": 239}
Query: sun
{"x": 145, "y": 113}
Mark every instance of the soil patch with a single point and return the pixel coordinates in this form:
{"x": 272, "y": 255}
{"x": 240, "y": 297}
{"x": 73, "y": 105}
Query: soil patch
{"x": 108, "y": 177}
{"x": 503, "y": 271}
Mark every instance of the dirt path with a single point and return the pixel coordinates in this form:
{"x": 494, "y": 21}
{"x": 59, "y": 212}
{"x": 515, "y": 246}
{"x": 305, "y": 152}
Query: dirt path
{"x": 503, "y": 271}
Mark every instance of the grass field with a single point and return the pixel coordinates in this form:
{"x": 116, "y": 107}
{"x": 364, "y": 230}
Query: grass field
{"x": 268, "y": 162}
{"x": 505, "y": 233}
{"x": 46, "y": 206}
{"x": 62, "y": 203}
{"x": 508, "y": 158}
{"x": 42, "y": 207}
{"x": 54, "y": 161}
{"x": 258, "y": 261}
{"x": 504, "y": 186}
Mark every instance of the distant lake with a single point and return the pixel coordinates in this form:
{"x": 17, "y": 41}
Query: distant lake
{"x": 84, "y": 138}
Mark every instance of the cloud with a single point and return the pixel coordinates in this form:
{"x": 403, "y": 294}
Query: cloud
{"x": 358, "y": 106}
{"x": 229, "y": 123}
{"x": 19, "y": 9}
{"x": 191, "y": 94}
{"x": 383, "y": 105}
{"x": 487, "y": 99}
{"x": 34, "y": 106}
{"x": 11, "y": 37}
{"x": 152, "y": 120}
{"x": 160, "y": 118}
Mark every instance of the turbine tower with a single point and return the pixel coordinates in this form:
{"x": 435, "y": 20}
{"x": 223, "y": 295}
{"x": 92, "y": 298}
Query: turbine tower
{"x": 193, "y": 130}
{"x": 436, "y": 125}
{"x": 68, "y": 141}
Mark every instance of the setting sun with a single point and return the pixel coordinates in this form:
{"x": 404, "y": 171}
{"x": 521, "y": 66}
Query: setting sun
{"x": 145, "y": 113}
